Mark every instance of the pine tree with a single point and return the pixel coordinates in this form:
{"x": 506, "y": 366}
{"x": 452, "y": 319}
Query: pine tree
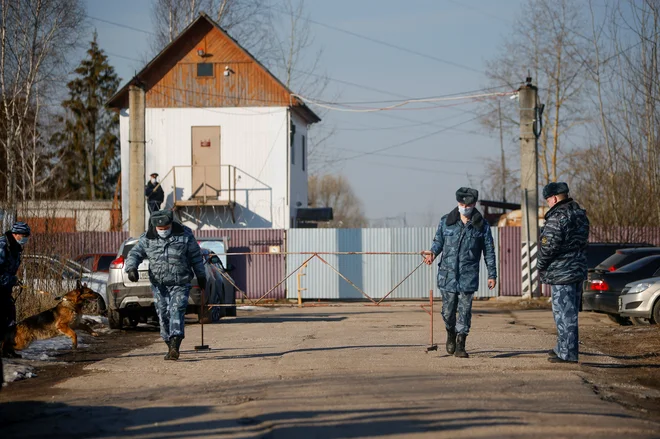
{"x": 89, "y": 141}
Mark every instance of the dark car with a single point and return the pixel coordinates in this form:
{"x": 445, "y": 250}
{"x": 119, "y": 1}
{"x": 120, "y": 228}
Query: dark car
{"x": 624, "y": 256}
{"x": 96, "y": 261}
{"x": 600, "y": 293}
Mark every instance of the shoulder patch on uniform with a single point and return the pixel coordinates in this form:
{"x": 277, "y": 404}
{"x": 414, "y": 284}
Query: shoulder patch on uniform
{"x": 544, "y": 240}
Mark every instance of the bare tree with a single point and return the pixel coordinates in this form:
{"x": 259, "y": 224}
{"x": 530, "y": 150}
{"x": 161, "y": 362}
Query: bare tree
{"x": 246, "y": 21}
{"x": 548, "y": 46}
{"x": 35, "y": 38}
{"x": 336, "y": 192}
{"x": 618, "y": 174}
{"x": 298, "y": 65}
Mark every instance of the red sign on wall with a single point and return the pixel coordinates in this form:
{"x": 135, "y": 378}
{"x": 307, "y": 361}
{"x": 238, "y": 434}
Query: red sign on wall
{"x": 205, "y": 143}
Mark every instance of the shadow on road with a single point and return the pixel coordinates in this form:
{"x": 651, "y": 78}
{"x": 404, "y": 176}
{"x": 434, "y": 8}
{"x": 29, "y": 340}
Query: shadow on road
{"x": 62, "y": 420}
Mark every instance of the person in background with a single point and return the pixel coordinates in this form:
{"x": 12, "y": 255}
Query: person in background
{"x": 12, "y": 244}
{"x": 154, "y": 193}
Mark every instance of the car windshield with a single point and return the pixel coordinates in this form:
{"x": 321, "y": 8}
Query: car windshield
{"x": 613, "y": 261}
{"x": 638, "y": 264}
{"x": 216, "y": 247}
{"x": 104, "y": 263}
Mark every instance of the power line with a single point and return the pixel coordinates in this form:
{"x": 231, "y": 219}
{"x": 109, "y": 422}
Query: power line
{"x": 383, "y": 43}
{"x": 81, "y": 46}
{"x": 430, "y": 171}
{"x": 425, "y": 159}
{"x": 397, "y": 145}
{"x": 120, "y": 25}
{"x": 337, "y": 106}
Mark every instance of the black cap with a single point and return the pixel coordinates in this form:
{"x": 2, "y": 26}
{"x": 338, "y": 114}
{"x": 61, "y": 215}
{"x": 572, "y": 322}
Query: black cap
{"x": 467, "y": 195}
{"x": 554, "y": 188}
{"x": 154, "y": 174}
{"x": 161, "y": 218}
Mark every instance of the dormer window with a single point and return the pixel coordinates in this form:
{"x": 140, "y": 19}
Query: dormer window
{"x": 204, "y": 70}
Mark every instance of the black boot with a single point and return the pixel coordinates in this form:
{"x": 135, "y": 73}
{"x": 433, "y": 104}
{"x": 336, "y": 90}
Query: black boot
{"x": 460, "y": 346}
{"x": 175, "y": 344}
{"x": 169, "y": 349}
{"x": 451, "y": 342}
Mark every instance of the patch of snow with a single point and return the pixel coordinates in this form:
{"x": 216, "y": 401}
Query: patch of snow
{"x": 15, "y": 371}
{"x": 97, "y": 319}
{"x": 40, "y": 349}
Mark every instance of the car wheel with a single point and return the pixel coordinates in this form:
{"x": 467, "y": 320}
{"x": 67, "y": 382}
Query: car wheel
{"x": 230, "y": 311}
{"x": 655, "y": 316}
{"x": 640, "y": 321}
{"x": 623, "y": 321}
{"x": 94, "y": 307}
{"x": 133, "y": 322}
{"x": 216, "y": 311}
{"x": 115, "y": 319}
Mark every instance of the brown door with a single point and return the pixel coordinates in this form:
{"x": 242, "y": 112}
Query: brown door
{"x": 205, "y": 162}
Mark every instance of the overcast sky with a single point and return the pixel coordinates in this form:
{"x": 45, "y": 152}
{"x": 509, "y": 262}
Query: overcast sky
{"x": 417, "y": 179}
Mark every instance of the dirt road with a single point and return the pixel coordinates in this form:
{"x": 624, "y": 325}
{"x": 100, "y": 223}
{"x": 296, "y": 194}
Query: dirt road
{"x": 337, "y": 372}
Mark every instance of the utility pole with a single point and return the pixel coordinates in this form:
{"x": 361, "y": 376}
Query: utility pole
{"x": 499, "y": 112}
{"x": 136, "y": 108}
{"x": 529, "y": 187}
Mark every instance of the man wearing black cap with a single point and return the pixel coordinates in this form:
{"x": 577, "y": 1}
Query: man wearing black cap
{"x": 463, "y": 235}
{"x": 173, "y": 255}
{"x": 562, "y": 263}
{"x": 154, "y": 193}
{"x": 12, "y": 244}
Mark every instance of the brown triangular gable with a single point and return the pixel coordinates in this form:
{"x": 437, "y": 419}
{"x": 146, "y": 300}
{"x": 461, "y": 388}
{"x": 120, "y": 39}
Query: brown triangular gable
{"x": 170, "y": 79}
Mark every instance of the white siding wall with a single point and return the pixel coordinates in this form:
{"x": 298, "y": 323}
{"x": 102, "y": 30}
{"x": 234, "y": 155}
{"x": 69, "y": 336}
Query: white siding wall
{"x": 255, "y": 140}
{"x": 298, "y": 186}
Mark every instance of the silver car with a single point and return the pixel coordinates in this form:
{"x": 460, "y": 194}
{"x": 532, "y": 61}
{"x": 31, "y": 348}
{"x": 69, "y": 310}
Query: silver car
{"x": 640, "y": 301}
{"x": 130, "y": 303}
{"x": 57, "y": 276}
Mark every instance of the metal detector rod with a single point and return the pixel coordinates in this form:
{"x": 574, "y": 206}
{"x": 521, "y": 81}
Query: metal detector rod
{"x": 202, "y": 315}
{"x": 432, "y": 346}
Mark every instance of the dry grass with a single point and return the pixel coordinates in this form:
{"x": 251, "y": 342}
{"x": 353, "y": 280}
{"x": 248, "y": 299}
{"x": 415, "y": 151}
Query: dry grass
{"x": 524, "y": 304}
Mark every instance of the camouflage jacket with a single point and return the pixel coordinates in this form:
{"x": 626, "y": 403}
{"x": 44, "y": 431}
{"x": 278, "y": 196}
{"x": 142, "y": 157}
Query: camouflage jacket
{"x": 461, "y": 246}
{"x": 10, "y": 259}
{"x": 562, "y": 256}
{"x": 171, "y": 260}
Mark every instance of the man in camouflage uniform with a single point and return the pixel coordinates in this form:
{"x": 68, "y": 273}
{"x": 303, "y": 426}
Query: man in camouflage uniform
{"x": 12, "y": 244}
{"x": 562, "y": 263}
{"x": 462, "y": 236}
{"x": 173, "y": 255}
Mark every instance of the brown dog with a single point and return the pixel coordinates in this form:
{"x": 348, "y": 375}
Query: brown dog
{"x": 60, "y": 320}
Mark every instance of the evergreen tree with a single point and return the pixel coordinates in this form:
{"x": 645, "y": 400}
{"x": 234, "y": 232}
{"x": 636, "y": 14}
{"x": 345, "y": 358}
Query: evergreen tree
{"x": 89, "y": 141}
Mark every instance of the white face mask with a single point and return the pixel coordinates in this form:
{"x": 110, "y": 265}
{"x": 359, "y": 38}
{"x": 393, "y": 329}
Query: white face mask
{"x": 153, "y": 180}
{"x": 23, "y": 241}
{"x": 164, "y": 233}
{"x": 465, "y": 211}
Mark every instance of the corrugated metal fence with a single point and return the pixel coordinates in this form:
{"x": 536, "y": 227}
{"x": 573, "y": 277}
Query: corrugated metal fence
{"x": 376, "y": 275}
{"x": 253, "y": 274}
{"x": 510, "y": 242}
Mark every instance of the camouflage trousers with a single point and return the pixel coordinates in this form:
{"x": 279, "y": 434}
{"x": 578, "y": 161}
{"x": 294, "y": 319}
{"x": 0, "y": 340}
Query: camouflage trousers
{"x": 565, "y": 307}
{"x": 453, "y": 303}
{"x": 171, "y": 303}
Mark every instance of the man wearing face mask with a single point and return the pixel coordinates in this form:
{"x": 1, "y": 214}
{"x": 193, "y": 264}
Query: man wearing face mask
{"x": 12, "y": 244}
{"x": 154, "y": 193}
{"x": 562, "y": 263}
{"x": 173, "y": 255}
{"x": 463, "y": 235}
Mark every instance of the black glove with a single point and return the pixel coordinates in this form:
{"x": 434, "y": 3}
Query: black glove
{"x": 201, "y": 281}
{"x": 133, "y": 275}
